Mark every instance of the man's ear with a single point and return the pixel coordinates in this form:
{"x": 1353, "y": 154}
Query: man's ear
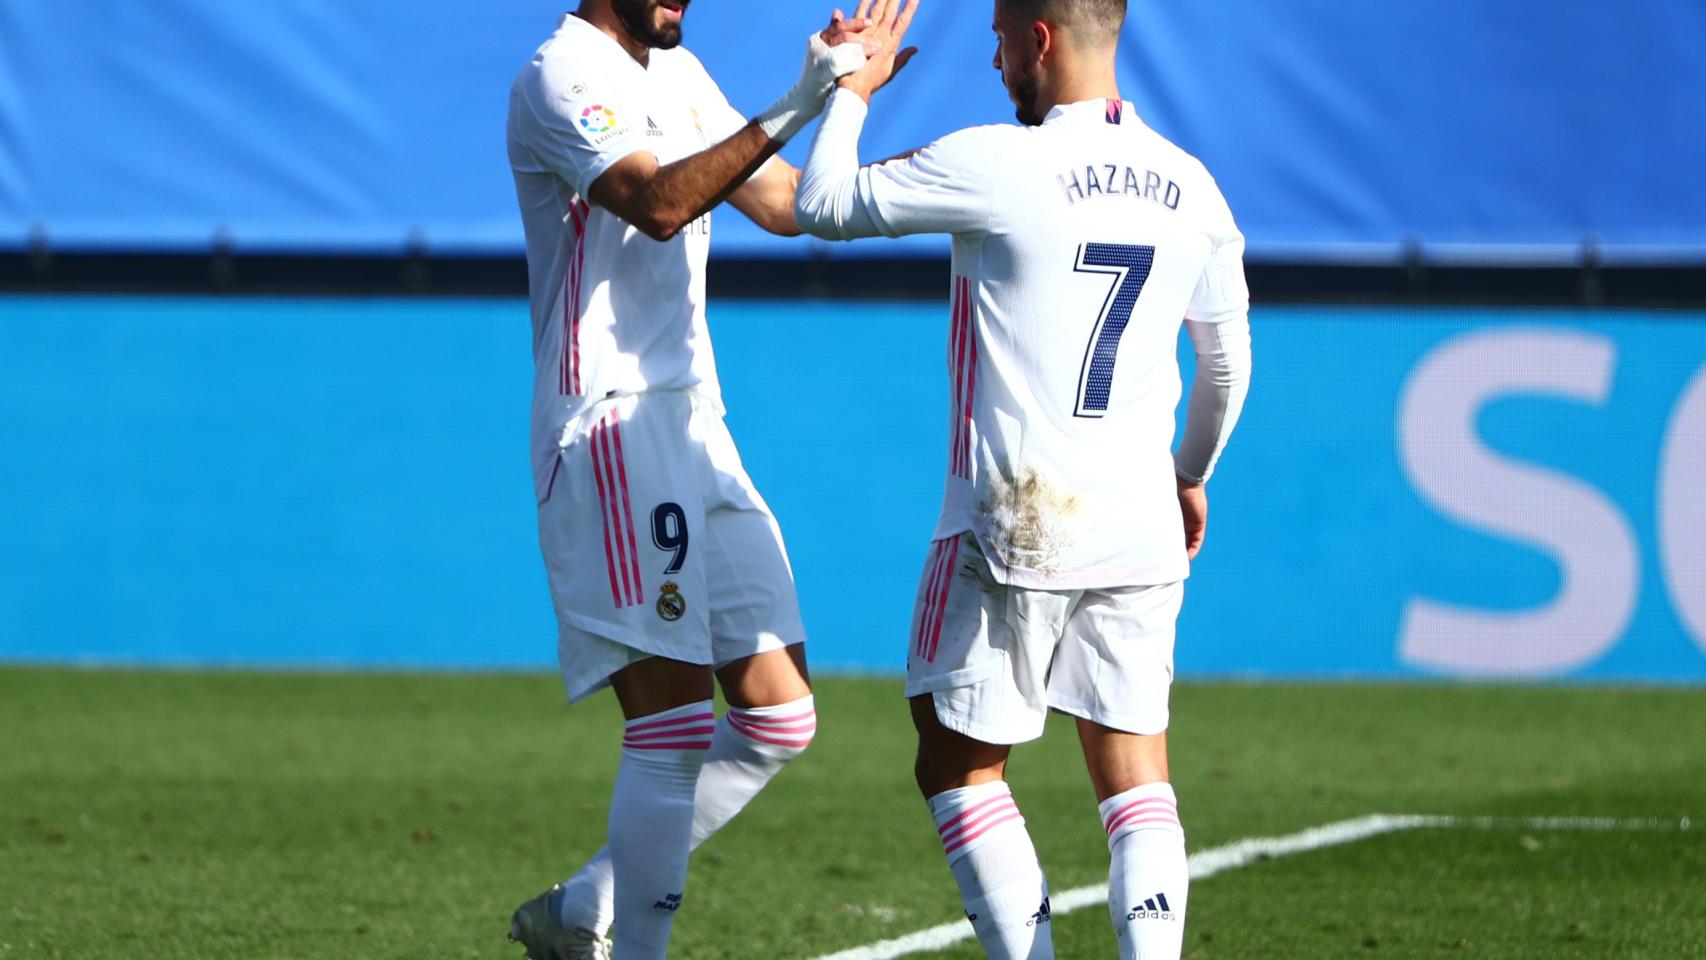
{"x": 1042, "y": 39}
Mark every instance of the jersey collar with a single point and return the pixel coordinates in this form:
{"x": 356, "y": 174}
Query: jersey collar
{"x": 1108, "y": 111}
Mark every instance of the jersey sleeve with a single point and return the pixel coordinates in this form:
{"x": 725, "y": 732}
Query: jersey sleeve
{"x": 1221, "y": 293}
{"x": 716, "y": 115}
{"x": 947, "y": 187}
{"x": 574, "y": 122}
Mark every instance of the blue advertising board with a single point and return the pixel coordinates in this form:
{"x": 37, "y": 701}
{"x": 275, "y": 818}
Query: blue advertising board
{"x": 1511, "y": 130}
{"x": 1413, "y": 493}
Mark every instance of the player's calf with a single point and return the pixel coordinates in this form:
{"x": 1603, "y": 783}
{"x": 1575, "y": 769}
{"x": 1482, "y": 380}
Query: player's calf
{"x": 1147, "y": 875}
{"x": 651, "y": 823}
{"x": 749, "y": 748}
{"x": 1000, "y": 879}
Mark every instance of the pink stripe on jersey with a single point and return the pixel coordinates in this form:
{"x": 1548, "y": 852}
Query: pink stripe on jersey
{"x": 571, "y": 360}
{"x": 968, "y": 407}
{"x": 604, "y": 504}
{"x": 960, "y": 335}
{"x": 951, "y": 560}
{"x": 627, "y": 506}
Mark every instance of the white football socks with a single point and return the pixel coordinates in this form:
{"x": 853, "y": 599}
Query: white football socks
{"x": 651, "y": 824}
{"x": 748, "y": 749}
{"x": 1001, "y": 882}
{"x": 1147, "y": 879}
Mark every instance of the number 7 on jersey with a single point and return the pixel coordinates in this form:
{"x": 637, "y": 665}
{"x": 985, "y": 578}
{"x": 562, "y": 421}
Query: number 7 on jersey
{"x": 1130, "y": 264}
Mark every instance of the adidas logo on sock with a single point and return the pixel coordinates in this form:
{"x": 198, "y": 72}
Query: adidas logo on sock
{"x": 1154, "y": 908}
{"x": 671, "y": 903}
{"x": 1041, "y": 916}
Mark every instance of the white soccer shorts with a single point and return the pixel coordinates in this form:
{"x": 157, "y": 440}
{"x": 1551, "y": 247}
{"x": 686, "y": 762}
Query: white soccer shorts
{"x": 996, "y": 658}
{"x": 656, "y": 544}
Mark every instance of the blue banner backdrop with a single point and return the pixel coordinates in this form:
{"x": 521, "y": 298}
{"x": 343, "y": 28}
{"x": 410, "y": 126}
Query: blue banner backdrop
{"x": 1413, "y": 493}
{"x": 1517, "y": 129}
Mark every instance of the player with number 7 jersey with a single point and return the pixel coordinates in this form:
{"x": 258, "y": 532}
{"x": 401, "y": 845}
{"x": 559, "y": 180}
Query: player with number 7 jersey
{"x": 1079, "y": 247}
{"x": 1082, "y": 241}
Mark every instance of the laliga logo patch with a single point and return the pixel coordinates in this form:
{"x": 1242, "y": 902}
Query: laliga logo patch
{"x": 672, "y": 606}
{"x": 598, "y": 118}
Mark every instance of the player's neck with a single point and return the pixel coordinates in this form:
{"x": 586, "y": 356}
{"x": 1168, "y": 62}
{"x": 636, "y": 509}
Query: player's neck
{"x": 1076, "y": 85}
{"x": 600, "y": 15}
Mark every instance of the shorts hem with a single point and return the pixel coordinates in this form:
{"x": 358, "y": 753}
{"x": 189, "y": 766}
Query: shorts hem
{"x": 967, "y": 676}
{"x": 1123, "y": 722}
{"x": 1006, "y": 736}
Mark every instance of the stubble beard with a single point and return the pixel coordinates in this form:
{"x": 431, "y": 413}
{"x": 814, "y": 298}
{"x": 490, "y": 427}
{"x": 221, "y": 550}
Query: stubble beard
{"x": 1024, "y": 92}
{"x": 640, "y": 19}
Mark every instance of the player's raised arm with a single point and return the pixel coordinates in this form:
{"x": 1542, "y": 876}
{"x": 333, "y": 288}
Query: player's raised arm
{"x": 661, "y": 199}
{"x": 939, "y": 189}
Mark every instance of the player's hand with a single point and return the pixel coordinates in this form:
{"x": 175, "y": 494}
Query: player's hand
{"x": 889, "y": 21}
{"x": 843, "y": 30}
{"x": 1193, "y": 503}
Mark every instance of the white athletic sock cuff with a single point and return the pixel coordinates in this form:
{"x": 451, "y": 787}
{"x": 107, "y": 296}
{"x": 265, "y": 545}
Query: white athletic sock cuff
{"x": 1152, "y": 806}
{"x": 969, "y": 817}
{"x": 686, "y": 727}
{"x": 787, "y": 726}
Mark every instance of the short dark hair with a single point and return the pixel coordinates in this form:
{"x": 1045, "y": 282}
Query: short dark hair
{"x": 1089, "y": 19}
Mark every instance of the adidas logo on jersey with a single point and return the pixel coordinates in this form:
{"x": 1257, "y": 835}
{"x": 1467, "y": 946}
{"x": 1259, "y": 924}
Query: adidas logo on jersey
{"x": 670, "y": 903}
{"x": 652, "y": 129}
{"x": 1154, "y": 908}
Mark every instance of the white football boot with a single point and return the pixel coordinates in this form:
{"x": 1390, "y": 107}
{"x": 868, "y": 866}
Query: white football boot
{"x": 536, "y": 927}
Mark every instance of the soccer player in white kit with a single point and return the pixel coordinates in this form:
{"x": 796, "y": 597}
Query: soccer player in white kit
{"x": 665, "y": 566}
{"x": 1081, "y": 241}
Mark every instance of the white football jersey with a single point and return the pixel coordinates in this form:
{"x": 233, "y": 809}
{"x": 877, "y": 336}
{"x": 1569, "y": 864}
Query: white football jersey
{"x": 614, "y": 312}
{"x": 1080, "y": 246}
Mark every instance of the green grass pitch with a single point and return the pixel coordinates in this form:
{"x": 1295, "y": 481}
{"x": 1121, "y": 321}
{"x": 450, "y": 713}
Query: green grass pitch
{"x": 340, "y": 817}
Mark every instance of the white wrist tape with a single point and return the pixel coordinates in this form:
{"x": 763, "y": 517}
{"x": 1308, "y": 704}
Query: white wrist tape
{"x": 824, "y": 65}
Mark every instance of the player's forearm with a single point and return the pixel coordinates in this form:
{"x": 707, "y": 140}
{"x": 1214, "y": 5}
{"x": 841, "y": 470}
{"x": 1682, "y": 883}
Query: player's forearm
{"x": 827, "y": 204}
{"x": 1217, "y": 395}
{"x": 686, "y": 190}
{"x": 768, "y": 198}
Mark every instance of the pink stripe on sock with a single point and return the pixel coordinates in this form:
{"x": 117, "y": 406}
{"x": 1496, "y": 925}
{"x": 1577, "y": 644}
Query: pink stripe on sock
{"x": 949, "y": 824}
{"x": 991, "y": 825}
{"x": 1147, "y": 803}
{"x": 779, "y": 740}
{"x": 666, "y": 734}
{"x": 706, "y": 717}
{"x": 978, "y": 821}
{"x": 1168, "y": 815}
{"x": 672, "y": 745}
{"x": 799, "y": 730}
{"x": 1142, "y": 820}
{"x": 773, "y": 721}
{"x": 804, "y": 726}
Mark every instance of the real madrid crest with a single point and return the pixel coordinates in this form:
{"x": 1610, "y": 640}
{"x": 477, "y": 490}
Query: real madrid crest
{"x": 671, "y": 604}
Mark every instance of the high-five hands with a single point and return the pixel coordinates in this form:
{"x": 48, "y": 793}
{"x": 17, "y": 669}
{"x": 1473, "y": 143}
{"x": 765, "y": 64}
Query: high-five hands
{"x": 885, "y": 26}
{"x": 840, "y": 49}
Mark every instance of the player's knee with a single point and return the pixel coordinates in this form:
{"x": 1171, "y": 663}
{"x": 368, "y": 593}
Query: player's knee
{"x": 782, "y": 733}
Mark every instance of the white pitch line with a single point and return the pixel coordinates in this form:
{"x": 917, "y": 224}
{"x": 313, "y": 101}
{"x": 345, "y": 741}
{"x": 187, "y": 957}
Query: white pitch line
{"x": 1242, "y": 853}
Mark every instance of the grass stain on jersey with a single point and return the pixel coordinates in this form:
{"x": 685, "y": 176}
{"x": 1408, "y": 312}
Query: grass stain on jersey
{"x": 1028, "y": 518}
